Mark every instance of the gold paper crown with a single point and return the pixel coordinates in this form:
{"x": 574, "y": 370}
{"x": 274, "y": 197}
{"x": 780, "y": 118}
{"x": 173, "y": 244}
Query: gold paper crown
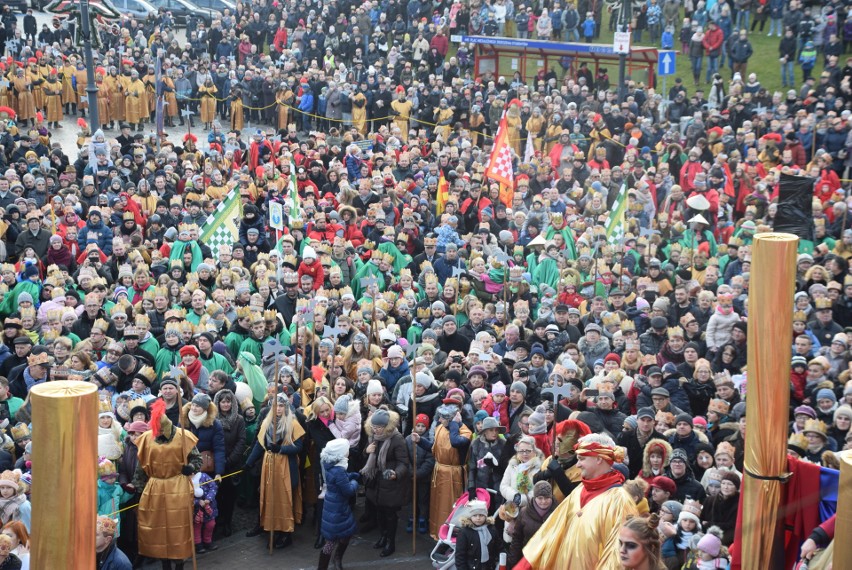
{"x": 186, "y": 326}
{"x": 184, "y": 227}
{"x": 244, "y": 312}
{"x": 404, "y": 272}
{"x": 270, "y": 315}
{"x": 628, "y": 326}
{"x": 675, "y": 332}
{"x": 345, "y": 291}
{"x": 631, "y": 344}
{"x": 800, "y": 316}
{"x": 149, "y": 295}
{"x": 104, "y": 407}
{"x": 333, "y": 294}
{"x": 423, "y": 312}
{"x": 142, "y": 321}
{"x": 692, "y": 506}
{"x": 21, "y": 431}
{"x": 823, "y": 303}
{"x": 388, "y": 258}
{"x": 815, "y": 426}
{"x": 147, "y": 372}
{"x": 430, "y": 241}
{"x": 798, "y": 440}
{"x": 431, "y": 278}
{"x": 54, "y": 315}
{"x": 161, "y": 292}
{"x": 611, "y": 320}
{"x": 101, "y": 325}
{"x": 172, "y": 329}
{"x": 335, "y": 270}
{"x": 376, "y": 254}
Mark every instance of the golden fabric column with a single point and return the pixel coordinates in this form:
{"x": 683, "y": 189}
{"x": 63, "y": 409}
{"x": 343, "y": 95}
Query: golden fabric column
{"x": 842, "y": 557}
{"x": 65, "y": 473}
{"x": 770, "y": 336}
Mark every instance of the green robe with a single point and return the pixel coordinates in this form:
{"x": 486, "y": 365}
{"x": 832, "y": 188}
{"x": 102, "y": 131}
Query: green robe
{"x": 567, "y": 237}
{"x": 177, "y": 253}
{"x": 217, "y": 362}
{"x": 193, "y": 318}
{"x": 10, "y": 301}
{"x": 689, "y": 241}
{"x": 234, "y": 341}
{"x": 151, "y": 345}
{"x": 546, "y": 272}
{"x": 254, "y": 347}
{"x": 369, "y": 269}
{"x": 165, "y": 359}
{"x": 400, "y": 260}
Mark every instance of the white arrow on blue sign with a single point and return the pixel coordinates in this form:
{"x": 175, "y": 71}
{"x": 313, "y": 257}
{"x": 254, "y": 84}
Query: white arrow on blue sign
{"x": 666, "y": 62}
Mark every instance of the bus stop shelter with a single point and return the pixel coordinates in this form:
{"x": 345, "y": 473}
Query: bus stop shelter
{"x": 505, "y": 56}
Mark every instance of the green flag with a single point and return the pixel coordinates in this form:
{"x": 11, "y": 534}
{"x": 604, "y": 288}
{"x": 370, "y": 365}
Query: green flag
{"x": 615, "y": 223}
{"x": 294, "y": 193}
{"x": 222, "y": 226}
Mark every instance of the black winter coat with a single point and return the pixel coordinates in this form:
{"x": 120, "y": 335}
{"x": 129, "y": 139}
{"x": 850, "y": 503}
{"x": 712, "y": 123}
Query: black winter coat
{"x": 526, "y": 525}
{"x": 469, "y": 551}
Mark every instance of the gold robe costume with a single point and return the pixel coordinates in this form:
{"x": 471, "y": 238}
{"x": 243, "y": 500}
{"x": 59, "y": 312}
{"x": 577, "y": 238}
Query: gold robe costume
{"x": 134, "y": 105}
{"x": 534, "y": 127}
{"x": 207, "y": 93}
{"x": 169, "y": 97}
{"x": 403, "y": 110}
{"x": 359, "y": 113}
{"x": 116, "y": 86}
{"x": 104, "y": 114}
{"x": 573, "y": 474}
{"x": 37, "y": 81}
{"x": 581, "y": 537}
{"x": 442, "y": 116}
{"x": 284, "y": 97}
{"x": 82, "y": 81}
{"x": 447, "y": 477}
{"x": 165, "y": 513}
{"x": 26, "y": 104}
{"x": 281, "y": 507}
{"x": 68, "y": 93}
{"x": 53, "y": 100}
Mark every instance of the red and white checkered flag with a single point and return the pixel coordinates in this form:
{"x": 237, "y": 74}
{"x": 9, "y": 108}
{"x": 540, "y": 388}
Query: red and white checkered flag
{"x": 500, "y": 163}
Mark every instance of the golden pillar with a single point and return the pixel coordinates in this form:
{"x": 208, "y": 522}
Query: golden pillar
{"x": 770, "y": 336}
{"x": 65, "y": 473}
{"x": 842, "y": 557}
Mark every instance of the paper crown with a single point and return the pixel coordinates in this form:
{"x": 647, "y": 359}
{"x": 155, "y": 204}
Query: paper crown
{"x": 107, "y": 526}
{"x": 675, "y": 332}
{"x": 692, "y": 506}
{"x": 106, "y": 468}
{"x": 822, "y": 303}
{"x": 38, "y": 359}
{"x": 628, "y": 326}
{"x": 21, "y": 431}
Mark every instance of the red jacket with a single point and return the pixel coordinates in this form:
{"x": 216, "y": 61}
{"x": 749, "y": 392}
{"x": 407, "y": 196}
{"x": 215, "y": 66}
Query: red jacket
{"x": 713, "y": 39}
{"x": 315, "y": 270}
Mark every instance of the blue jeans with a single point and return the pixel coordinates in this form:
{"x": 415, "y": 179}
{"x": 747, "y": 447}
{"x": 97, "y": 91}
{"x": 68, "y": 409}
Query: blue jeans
{"x": 572, "y": 35}
{"x": 712, "y": 67}
{"x": 788, "y": 76}
{"x": 696, "y": 66}
{"x": 773, "y": 23}
{"x": 743, "y": 20}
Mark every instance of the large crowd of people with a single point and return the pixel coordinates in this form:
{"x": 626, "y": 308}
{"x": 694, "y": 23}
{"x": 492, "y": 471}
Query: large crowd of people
{"x": 411, "y": 318}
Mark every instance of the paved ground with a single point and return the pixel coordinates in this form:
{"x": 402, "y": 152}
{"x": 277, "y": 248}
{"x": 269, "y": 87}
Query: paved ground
{"x": 238, "y": 551}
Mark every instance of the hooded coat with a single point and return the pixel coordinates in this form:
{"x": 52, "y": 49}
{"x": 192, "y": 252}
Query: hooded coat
{"x": 469, "y": 549}
{"x": 655, "y": 445}
{"x": 211, "y": 436}
{"x": 338, "y": 523}
{"x": 391, "y": 493}
{"x": 526, "y": 525}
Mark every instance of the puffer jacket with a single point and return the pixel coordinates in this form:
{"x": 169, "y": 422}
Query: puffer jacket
{"x": 235, "y": 437}
{"x": 719, "y": 330}
{"x": 97, "y": 233}
{"x": 211, "y": 436}
{"x": 483, "y": 473}
{"x": 469, "y": 549}
{"x": 526, "y": 525}
{"x": 337, "y": 520}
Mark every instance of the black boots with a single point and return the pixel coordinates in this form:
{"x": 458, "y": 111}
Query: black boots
{"x": 255, "y": 531}
{"x": 390, "y": 545}
{"x": 319, "y": 542}
{"x": 382, "y": 542}
{"x": 167, "y": 565}
{"x": 283, "y": 540}
{"x": 337, "y": 559}
{"x": 323, "y": 561}
{"x": 389, "y": 524}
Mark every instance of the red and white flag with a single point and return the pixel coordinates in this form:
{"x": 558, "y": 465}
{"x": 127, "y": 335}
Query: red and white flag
{"x": 500, "y": 163}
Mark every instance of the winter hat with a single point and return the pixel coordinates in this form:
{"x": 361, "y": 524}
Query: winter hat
{"x": 106, "y": 469}
{"x": 664, "y": 483}
{"x": 845, "y": 410}
{"x": 683, "y": 417}
{"x": 25, "y": 297}
{"x": 365, "y": 370}
{"x": 687, "y": 515}
{"x": 710, "y": 544}
{"x": 542, "y": 489}
{"x": 675, "y": 507}
{"x": 538, "y": 424}
{"x": 202, "y": 401}
{"x": 612, "y": 357}
{"x": 477, "y": 507}
{"x": 422, "y": 419}
{"x": 498, "y": 388}
{"x": 423, "y": 379}
{"x": 309, "y": 253}
{"x": 805, "y": 410}
{"x": 374, "y": 387}
{"x": 699, "y": 421}
{"x": 429, "y": 333}
{"x": 189, "y": 349}
{"x": 396, "y": 352}
{"x": 732, "y": 477}
{"x": 335, "y": 450}
{"x": 455, "y": 397}
{"x": 480, "y": 370}
{"x": 826, "y": 394}
{"x": 341, "y": 406}
{"x": 29, "y": 271}
{"x": 518, "y": 386}
{"x": 479, "y": 416}
{"x": 380, "y": 418}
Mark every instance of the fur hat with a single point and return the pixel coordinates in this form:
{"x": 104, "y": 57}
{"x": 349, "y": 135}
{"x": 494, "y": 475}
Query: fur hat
{"x": 380, "y": 418}
{"x": 477, "y": 507}
{"x": 374, "y": 387}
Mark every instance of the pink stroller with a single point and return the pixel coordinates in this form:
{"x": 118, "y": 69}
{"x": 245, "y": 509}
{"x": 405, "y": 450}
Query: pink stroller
{"x": 444, "y": 554}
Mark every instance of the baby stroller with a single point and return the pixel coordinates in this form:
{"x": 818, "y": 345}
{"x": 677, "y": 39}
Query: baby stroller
{"x": 444, "y": 554}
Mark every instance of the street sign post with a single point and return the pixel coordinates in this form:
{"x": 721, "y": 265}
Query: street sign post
{"x": 621, "y": 42}
{"x": 666, "y": 65}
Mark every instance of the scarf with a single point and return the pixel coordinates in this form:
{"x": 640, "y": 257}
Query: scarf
{"x": 197, "y": 419}
{"x": 484, "y": 539}
{"x": 62, "y": 256}
{"x": 523, "y": 481}
{"x": 194, "y": 371}
{"x": 594, "y": 487}
{"x": 9, "y": 507}
{"x": 377, "y": 462}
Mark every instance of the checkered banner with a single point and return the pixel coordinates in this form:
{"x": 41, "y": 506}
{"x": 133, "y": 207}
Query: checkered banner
{"x": 615, "y": 222}
{"x": 500, "y": 162}
{"x": 222, "y": 226}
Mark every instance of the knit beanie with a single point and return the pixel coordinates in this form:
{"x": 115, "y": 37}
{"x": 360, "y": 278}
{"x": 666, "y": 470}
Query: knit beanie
{"x": 826, "y": 394}
{"x": 374, "y": 387}
{"x": 542, "y": 489}
{"x": 380, "y": 418}
{"x": 710, "y": 544}
{"x": 538, "y": 424}
{"x": 498, "y": 388}
{"x": 675, "y": 507}
{"x": 202, "y": 401}
{"x": 519, "y": 386}
{"x": 341, "y": 406}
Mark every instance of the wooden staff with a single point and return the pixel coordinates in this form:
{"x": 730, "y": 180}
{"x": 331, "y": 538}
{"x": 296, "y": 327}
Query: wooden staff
{"x": 192, "y": 501}
{"x": 305, "y": 330}
{"x": 414, "y": 470}
{"x": 269, "y": 458}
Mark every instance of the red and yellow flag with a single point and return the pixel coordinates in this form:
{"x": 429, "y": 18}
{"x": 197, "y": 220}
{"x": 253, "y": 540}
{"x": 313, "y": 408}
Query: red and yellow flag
{"x": 443, "y": 195}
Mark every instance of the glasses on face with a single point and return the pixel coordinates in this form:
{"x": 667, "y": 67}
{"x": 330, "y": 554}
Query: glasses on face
{"x": 525, "y": 451}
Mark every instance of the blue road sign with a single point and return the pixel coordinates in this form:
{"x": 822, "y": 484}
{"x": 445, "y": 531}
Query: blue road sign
{"x": 666, "y": 62}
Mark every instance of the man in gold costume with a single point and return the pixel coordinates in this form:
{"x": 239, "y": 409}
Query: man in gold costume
{"x": 583, "y": 530}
